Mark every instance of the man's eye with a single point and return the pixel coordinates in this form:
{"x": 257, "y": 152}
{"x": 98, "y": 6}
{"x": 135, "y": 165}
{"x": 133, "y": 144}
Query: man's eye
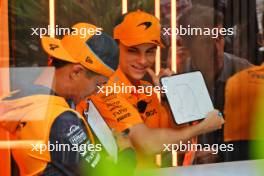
{"x": 131, "y": 50}
{"x": 151, "y": 51}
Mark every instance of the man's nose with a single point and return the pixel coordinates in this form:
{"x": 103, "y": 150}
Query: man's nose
{"x": 142, "y": 59}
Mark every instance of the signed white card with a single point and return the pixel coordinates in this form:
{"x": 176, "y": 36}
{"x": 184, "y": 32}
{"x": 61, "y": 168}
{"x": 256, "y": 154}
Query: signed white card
{"x": 102, "y": 131}
{"x": 188, "y": 96}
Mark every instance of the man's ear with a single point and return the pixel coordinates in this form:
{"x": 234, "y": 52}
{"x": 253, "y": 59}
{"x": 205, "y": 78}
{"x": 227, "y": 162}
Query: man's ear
{"x": 76, "y": 71}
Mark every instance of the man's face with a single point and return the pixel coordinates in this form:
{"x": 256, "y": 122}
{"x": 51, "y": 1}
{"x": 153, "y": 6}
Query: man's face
{"x": 207, "y": 54}
{"x": 135, "y": 60}
{"x": 202, "y": 53}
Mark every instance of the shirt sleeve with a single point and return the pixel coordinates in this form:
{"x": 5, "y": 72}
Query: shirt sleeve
{"x": 67, "y": 135}
{"x": 68, "y": 129}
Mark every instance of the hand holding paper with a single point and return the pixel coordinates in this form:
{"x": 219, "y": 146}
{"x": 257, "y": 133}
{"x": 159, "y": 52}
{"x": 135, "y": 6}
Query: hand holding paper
{"x": 212, "y": 122}
{"x": 188, "y": 97}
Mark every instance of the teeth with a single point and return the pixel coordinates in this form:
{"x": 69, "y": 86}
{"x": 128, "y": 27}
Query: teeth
{"x": 138, "y": 67}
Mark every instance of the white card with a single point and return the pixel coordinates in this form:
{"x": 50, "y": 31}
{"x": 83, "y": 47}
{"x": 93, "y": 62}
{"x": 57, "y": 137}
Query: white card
{"x": 188, "y": 96}
{"x": 102, "y": 131}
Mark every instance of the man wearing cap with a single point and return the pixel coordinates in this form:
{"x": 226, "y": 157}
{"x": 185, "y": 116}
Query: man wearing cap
{"x": 145, "y": 122}
{"x": 43, "y": 114}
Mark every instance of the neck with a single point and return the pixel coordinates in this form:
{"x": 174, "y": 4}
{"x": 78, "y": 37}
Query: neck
{"x": 51, "y": 78}
{"x": 46, "y": 78}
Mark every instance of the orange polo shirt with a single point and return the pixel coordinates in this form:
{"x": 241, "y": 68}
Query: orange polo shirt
{"x": 121, "y": 110}
{"x": 242, "y": 95}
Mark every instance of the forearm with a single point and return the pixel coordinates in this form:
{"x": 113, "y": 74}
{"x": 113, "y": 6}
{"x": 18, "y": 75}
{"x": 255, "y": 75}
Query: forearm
{"x": 156, "y": 138}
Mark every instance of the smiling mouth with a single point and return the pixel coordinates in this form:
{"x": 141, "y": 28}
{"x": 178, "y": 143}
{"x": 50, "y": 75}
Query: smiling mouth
{"x": 140, "y": 69}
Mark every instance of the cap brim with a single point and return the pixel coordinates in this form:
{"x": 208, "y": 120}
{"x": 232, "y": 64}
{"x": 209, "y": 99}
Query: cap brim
{"x": 54, "y": 48}
{"x": 138, "y": 42}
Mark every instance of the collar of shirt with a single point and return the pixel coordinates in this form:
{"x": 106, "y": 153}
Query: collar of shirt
{"x": 227, "y": 70}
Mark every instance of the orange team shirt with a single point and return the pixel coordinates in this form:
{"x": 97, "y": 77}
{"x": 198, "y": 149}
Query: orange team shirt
{"x": 120, "y": 109}
{"x": 242, "y": 96}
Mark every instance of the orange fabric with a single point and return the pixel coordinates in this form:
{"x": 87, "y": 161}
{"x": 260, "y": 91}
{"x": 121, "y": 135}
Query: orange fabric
{"x": 154, "y": 116}
{"x": 38, "y": 116}
{"x": 72, "y": 48}
{"x": 5, "y": 161}
{"x": 189, "y": 156}
{"x": 118, "y": 113}
{"x": 4, "y": 81}
{"x": 138, "y": 27}
{"x": 242, "y": 98}
{"x": 82, "y": 106}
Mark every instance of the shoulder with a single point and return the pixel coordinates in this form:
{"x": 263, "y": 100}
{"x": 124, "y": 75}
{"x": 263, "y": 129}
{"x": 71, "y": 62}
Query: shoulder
{"x": 242, "y": 77}
{"x": 249, "y": 71}
{"x": 65, "y": 121}
{"x": 237, "y": 62}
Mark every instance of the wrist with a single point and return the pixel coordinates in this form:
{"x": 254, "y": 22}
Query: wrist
{"x": 200, "y": 128}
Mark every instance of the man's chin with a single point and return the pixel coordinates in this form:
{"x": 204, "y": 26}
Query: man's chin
{"x": 135, "y": 76}
{"x": 138, "y": 77}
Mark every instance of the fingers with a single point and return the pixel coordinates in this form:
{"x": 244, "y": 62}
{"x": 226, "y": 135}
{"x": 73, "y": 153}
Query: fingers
{"x": 219, "y": 118}
{"x": 166, "y": 72}
{"x": 163, "y": 72}
{"x": 219, "y": 115}
{"x": 151, "y": 72}
{"x": 153, "y": 76}
{"x": 213, "y": 121}
{"x": 122, "y": 141}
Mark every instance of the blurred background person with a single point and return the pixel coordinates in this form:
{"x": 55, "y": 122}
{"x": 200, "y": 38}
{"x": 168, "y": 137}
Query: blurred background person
{"x": 207, "y": 55}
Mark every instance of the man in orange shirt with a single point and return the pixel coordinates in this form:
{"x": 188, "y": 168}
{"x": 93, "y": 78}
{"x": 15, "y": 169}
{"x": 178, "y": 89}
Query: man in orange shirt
{"x": 243, "y": 97}
{"x": 137, "y": 113}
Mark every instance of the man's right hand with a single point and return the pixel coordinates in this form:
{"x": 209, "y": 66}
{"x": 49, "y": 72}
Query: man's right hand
{"x": 212, "y": 122}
